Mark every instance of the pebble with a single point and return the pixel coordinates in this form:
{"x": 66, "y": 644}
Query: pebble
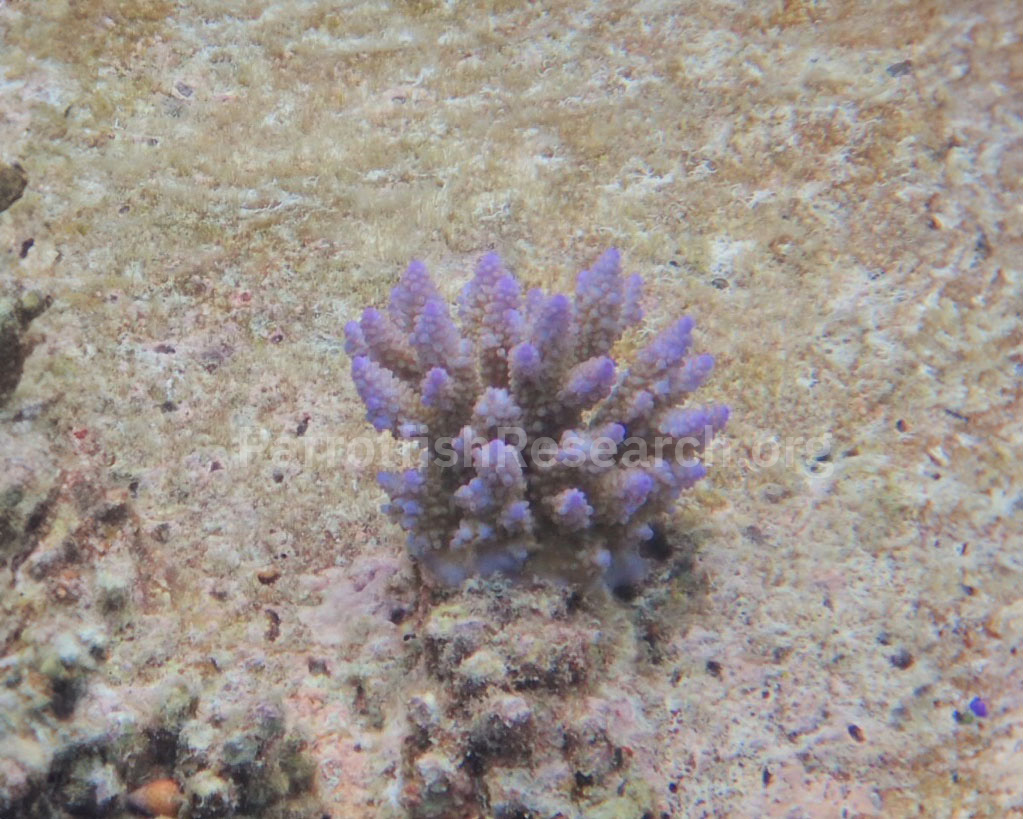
{"x": 161, "y": 797}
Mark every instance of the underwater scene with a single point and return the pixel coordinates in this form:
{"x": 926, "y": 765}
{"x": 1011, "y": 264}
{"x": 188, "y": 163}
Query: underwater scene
{"x": 511, "y": 409}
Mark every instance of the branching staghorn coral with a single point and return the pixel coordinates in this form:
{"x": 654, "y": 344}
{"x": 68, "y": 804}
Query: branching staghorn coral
{"x": 538, "y": 453}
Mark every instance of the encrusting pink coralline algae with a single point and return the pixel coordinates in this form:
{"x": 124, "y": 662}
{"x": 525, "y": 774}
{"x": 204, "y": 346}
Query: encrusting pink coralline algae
{"x": 539, "y": 453}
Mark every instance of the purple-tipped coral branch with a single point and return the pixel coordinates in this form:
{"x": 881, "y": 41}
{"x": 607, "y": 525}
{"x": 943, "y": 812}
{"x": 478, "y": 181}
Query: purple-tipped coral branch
{"x": 542, "y": 454}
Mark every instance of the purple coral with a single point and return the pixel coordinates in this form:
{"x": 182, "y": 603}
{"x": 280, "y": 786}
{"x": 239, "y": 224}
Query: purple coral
{"x": 588, "y": 383}
{"x": 599, "y": 299}
{"x": 410, "y": 296}
{"x": 385, "y": 397}
{"x": 559, "y": 459}
{"x": 570, "y": 510}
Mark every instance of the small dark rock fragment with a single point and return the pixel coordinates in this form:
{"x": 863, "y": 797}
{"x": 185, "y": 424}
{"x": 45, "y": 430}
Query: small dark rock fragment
{"x": 13, "y": 180}
{"x": 111, "y": 514}
{"x": 900, "y": 69}
{"x": 268, "y": 576}
{"x": 66, "y": 690}
{"x": 273, "y": 631}
{"x": 755, "y": 534}
{"x": 982, "y": 246}
{"x": 15, "y": 316}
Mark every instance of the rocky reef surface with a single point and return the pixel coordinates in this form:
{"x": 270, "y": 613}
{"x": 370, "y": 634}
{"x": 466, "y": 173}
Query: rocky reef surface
{"x": 203, "y": 611}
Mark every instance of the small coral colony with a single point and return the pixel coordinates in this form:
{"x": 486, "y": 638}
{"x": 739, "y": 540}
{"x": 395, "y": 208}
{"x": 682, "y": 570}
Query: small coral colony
{"x": 539, "y": 453}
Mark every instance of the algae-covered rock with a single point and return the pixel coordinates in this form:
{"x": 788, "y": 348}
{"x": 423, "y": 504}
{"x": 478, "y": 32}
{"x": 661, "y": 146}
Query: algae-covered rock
{"x": 210, "y": 796}
{"x": 439, "y": 788}
{"x": 29, "y": 484}
{"x": 514, "y": 723}
{"x": 12, "y": 184}
{"x": 15, "y": 316}
{"x": 92, "y": 788}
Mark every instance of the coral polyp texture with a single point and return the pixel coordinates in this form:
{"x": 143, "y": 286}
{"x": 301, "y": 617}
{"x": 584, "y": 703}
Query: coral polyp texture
{"x": 540, "y": 454}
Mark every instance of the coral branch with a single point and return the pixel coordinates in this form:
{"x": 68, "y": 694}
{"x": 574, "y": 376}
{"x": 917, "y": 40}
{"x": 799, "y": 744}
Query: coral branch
{"x": 537, "y": 459}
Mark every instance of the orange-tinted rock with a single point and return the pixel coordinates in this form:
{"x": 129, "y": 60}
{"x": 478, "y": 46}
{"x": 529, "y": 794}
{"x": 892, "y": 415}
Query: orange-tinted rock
{"x": 161, "y": 797}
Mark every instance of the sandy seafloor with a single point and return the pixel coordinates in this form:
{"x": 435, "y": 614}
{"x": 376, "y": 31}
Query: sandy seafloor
{"x": 833, "y": 190}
